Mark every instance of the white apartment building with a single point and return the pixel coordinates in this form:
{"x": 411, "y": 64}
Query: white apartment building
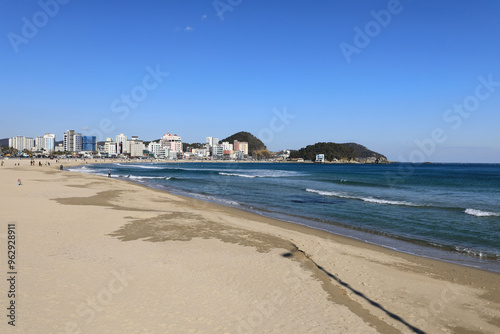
{"x": 72, "y": 142}
{"x": 173, "y": 142}
{"x": 154, "y": 148}
{"x": 226, "y": 146}
{"x": 211, "y": 141}
{"x": 135, "y": 148}
{"x": 217, "y": 151}
{"x": 46, "y": 143}
{"x": 200, "y": 152}
{"x": 49, "y": 142}
{"x": 110, "y": 147}
{"x": 22, "y": 143}
{"x": 163, "y": 153}
{"x": 121, "y": 143}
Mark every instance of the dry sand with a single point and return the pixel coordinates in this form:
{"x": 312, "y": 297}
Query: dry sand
{"x": 100, "y": 255}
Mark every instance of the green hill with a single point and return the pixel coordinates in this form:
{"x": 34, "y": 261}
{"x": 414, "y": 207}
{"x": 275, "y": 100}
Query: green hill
{"x": 334, "y": 151}
{"x": 254, "y": 143}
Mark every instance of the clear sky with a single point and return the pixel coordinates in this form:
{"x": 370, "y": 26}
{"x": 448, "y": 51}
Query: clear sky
{"x": 414, "y": 80}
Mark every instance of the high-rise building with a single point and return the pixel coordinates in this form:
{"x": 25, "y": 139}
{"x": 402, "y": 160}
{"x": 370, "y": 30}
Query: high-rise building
{"x": 89, "y": 143}
{"x": 173, "y": 142}
{"x": 211, "y": 141}
{"x": 22, "y": 143}
{"x": 241, "y": 146}
{"x": 154, "y": 148}
{"x": 121, "y": 141}
{"x": 110, "y": 147}
{"x": 72, "y": 141}
{"x": 39, "y": 143}
{"x": 217, "y": 151}
{"x": 49, "y": 142}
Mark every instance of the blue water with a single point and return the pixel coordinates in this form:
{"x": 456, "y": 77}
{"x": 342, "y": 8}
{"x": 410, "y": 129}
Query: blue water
{"x": 445, "y": 211}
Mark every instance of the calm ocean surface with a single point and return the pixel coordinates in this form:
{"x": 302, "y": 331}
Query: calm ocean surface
{"x": 445, "y": 211}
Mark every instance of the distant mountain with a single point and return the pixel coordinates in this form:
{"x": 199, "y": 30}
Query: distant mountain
{"x": 334, "y": 151}
{"x": 254, "y": 143}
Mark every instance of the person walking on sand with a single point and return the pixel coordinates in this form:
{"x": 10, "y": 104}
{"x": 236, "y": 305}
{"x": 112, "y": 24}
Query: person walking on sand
{"x": 18, "y": 182}
{"x": 109, "y": 173}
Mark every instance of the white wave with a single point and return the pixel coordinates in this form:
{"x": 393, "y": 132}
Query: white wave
{"x": 234, "y": 174}
{"x": 365, "y": 199}
{"x": 148, "y": 177}
{"x": 146, "y": 166}
{"x": 215, "y": 199}
{"x": 251, "y": 173}
{"x": 479, "y": 213}
{"x": 383, "y": 201}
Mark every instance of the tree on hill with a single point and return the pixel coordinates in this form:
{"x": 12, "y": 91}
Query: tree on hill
{"x": 334, "y": 151}
{"x": 254, "y": 143}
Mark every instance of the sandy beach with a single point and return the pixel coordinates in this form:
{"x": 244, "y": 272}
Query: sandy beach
{"x": 102, "y": 255}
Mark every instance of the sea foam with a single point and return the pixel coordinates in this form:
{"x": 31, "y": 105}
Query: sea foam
{"x": 479, "y": 213}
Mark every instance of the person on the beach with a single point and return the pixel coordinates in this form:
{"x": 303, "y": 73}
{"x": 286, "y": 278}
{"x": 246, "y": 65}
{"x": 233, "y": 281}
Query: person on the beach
{"x": 18, "y": 182}
{"x": 109, "y": 173}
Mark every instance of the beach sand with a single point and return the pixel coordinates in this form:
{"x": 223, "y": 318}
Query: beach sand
{"x": 101, "y": 255}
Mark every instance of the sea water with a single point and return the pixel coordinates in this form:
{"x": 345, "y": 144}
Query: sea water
{"x": 445, "y": 211}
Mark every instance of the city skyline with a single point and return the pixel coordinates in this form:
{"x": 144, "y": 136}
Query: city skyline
{"x": 413, "y": 80}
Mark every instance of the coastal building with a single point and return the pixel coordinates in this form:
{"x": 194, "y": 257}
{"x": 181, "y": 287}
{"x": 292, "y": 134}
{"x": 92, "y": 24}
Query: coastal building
{"x": 22, "y": 143}
{"x": 49, "y": 142}
{"x": 39, "y": 143}
{"x": 200, "y": 153}
{"x": 238, "y": 155}
{"x": 59, "y": 148}
{"x": 226, "y": 146}
{"x": 110, "y": 147}
{"x": 135, "y": 147}
{"x": 45, "y": 143}
{"x": 173, "y": 142}
{"x": 217, "y": 151}
{"x": 72, "y": 141}
{"x": 164, "y": 153}
{"x": 241, "y": 146}
{"x": 89, "y": 143}
{"x": 211, "y": 141}
{"x": 121, "y": 141}
{"x": 320, "y": 158}
{"x": 154, "y": 148}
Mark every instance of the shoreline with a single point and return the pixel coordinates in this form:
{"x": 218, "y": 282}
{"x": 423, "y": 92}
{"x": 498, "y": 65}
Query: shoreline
{"x": 394, "y": 243}
{"x": 88, "y": 228}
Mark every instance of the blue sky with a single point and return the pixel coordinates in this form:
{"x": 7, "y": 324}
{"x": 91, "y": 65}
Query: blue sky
{"x": 424, "y": 67}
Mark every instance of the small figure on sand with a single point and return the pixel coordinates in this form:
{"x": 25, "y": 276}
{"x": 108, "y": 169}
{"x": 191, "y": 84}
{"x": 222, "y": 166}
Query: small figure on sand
{"x": 18, "y": 182}
{"x": 109, "y": 173}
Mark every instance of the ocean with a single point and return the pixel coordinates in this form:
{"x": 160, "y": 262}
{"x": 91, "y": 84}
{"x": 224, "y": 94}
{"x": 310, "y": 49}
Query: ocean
{"x": 449, "y": 212}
